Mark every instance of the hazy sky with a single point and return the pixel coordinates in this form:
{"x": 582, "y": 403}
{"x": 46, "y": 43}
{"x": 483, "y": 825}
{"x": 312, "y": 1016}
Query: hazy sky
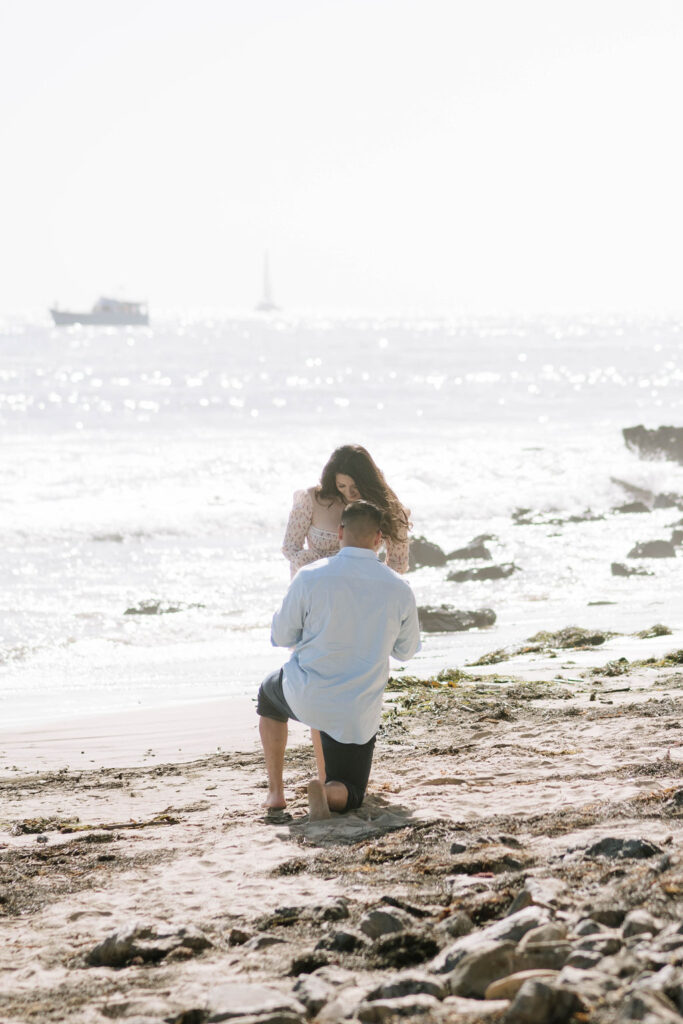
{"x": 393, "y": 155}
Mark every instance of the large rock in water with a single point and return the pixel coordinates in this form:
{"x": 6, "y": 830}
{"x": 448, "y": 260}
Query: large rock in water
{"x": 423, "y": 552}
{"x": 489, "y": 572}
{"x": 619, "y": 569}
{"x": 653, "y": 549}
{"x": 445, "y": 619}
{"x": 475, "y": 549}
{"x": 664, "y": 442}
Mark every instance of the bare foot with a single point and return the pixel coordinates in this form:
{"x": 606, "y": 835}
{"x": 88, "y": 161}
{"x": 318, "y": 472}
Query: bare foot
{"x": 317, "y": 801}
{"x": 275, "y": 802}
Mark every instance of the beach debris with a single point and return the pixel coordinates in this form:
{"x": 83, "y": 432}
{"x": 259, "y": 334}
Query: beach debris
{"x": 143, "y": 942}
{"x": 446, "y": 619}
{"x": 475, "y": 549}
{"x": 153, "y": 607}
{"x": 619, "y": 569}
{"x": 489, "y": 572}
{"x": 657, "y": 630}
{"x": 423, "y": 552}
{"x": 571, "y": 636}
{"x": 662, "y": 442}
{"x": 653, "y": 549}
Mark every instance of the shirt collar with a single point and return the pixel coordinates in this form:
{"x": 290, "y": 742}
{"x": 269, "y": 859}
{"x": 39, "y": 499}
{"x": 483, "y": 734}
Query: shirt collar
{"x": 351, "y": 552}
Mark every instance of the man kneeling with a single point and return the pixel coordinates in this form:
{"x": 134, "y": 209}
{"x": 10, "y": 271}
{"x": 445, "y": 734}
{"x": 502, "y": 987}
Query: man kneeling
{"x": 344, "y": 616}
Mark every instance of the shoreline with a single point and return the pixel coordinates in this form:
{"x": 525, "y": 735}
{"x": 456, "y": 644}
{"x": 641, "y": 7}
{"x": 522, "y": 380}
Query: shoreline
{"x": 190, "y": 729}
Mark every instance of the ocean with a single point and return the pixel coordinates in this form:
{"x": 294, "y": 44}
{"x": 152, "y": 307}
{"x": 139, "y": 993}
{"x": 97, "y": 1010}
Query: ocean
{"x": 154, "y": 467}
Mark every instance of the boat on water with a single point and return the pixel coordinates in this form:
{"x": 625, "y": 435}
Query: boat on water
{"x": 106, "y": 311}
{"x": 267, "y": 303}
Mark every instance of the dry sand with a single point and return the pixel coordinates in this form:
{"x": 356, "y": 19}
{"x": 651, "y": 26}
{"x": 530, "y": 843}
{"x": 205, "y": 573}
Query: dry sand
{"x": 154, "y": 819}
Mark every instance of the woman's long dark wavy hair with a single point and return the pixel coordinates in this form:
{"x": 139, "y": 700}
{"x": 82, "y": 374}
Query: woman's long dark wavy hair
{"x": 355, "y": 461}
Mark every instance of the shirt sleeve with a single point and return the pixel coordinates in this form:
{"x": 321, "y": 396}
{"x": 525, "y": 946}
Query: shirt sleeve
{"x": 408, "y": 640}
{"x": 295, "y": 535}
{"x": 288, "y": 623}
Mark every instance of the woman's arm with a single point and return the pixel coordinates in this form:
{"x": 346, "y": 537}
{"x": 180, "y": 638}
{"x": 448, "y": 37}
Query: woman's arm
{"x": 295, "y": 535}
{"x": 397, "y": 554}
{"x": 398, "y": 550}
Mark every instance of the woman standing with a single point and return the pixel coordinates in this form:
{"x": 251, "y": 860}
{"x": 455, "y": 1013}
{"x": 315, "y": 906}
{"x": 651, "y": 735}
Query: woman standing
{"x": 349, "y": 475}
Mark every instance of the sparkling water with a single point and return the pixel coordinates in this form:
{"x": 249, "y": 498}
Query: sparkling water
{"x": 155, "y": 466}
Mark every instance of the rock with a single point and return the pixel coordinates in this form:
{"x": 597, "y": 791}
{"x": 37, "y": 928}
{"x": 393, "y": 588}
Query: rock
{"x": 584, "y": 959}
{"x": 380, "y": 922}
{"x": 619, "y": 569}
{"x": 337, "y": 910}
{"x": 457, "y": 924}
{"x": 602, "y": 943}
{"x": 544, "y": 933}
{"x": 550, "y": 956}
{"x": 674, "y": 805}
{"x": 307, "y": 963}
{"x": 653, "y": 549}
{"x": 609, "y": 915}
{"x": 476, "y": 970}
{"x": 403, "y": 950}
{"x": 538, "y": 1002}
{"x": 142, "y": 942}
{"x": 539, "y": 891}
{"x": 423, "y": 552}
{"x": 404, "y": 1006}
{"x": 238, "y": 936}
{"x": 342, "y": 941}
{"x": 623, "y": 849}
{"x": 632, "y": 507}
{"x": 668, "y": 980}
{"x": 314, "y": 992}
{"x": 666, "y": 442}
{"x": 657, "y": 630}
{"x": 640, "y": 922}
{"x": 235, "y": 999}
{"x": 489, "y": 572}
{"x": 410, "y": 983}
{"x": 650, "y": 1006}
{"x": 475, "y": 1009}
{"x": 344, "y": 1004}
{"x": 507, "y": 988}
{"x": 262, "y": 942}
{"x": 670, "y": 500}
{"x": 508, "y": 929}
{"x": 458, "y": 848}
{"x": 273, "y": 1017}
{"x": 591, "y": 984}
{"x": 446, "y": 619}
{"x": 587, "y": 926}
{"x": 475, "y": 549}
{"x": 677, "y": 538}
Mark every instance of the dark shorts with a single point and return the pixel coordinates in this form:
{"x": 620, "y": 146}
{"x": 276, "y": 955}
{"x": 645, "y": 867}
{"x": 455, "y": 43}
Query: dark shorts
{"x": 349, "y": 763}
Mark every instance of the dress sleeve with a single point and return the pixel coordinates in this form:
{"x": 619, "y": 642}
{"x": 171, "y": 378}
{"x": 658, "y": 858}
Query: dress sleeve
{"x": 397, "y": 551}
{"x": 295, "y": 535}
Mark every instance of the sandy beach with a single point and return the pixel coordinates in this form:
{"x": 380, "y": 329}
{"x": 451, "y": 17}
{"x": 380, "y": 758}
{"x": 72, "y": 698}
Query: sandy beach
{"x": 140, "y": 880}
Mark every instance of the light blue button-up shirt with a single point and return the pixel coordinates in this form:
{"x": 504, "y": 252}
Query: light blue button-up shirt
{"x": 344, "y": 616}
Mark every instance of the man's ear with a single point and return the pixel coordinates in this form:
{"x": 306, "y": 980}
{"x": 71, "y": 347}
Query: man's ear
{"x": 340, "y": 533}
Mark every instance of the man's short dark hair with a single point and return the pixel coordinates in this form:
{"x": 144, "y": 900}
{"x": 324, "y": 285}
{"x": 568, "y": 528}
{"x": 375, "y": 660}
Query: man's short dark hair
{"x": 362, "y": 517}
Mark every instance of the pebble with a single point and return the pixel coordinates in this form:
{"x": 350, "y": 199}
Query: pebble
{"x": 379, "y": 922}
{"x": 538, "y": 1002}
{"x": 476, "y": 970}
{"x": 640, "y": 922}
{"x": 235, "y": 999}
{"x": 404, "y": 1006}
{"x": 410, "y": 983}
